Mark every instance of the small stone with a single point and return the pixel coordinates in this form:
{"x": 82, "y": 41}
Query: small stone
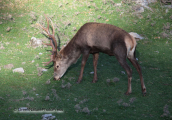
{"x": 123, "y": 72}
{"x": 126, "y": 104}
{"x": 9, "y": 66}
{"x": 8, "y": 29}
{"x": 68, "y": 85}
{"x": 164, "y": 35}
{"x": 104, "y": 110}
{"x": 132, "y": 100}
{"x": 47, "y": 98}
{"x": 119, "y": 101}
{"x": 35, "y": 42}
{"x": 92, "y": 72}
{"x": 33, "y": 89}
{"x": 48, "y": 81}
{"x": 75, "y": 99}
{"x": 86, "y": 110}
{"x": 108, "y": 80}
{"x": 74, "y": 28}
{"x": 2, "y": 47}
{"x": 77, "y": 13}
{"x": 10, "y": 16}
{"x": 19, "y": 70}
{"x": 63, "y": 86}
{"x": 24, "y": 92}
{"x": 115, "y": 79}
{"x": 22, "y": 109}
{"x": 77, "y": 107}
{"x": 98, "y": 16}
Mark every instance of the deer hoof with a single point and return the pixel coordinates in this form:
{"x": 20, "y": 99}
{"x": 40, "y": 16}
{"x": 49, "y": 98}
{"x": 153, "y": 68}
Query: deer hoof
{"x": 94, "y": 81}
{"x": 144, "y": 92}
{"x": 127, "y": 93}
{"x": 78, "y": 82}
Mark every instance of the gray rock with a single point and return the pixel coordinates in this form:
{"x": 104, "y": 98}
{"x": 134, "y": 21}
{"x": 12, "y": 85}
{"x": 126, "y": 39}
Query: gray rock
{"x": 19, "y": 70}
{"x": 35, "y": 42}
{"x": 9, "y": 66}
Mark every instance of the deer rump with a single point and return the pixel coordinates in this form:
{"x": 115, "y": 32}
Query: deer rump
{"x": 93, "y": 38}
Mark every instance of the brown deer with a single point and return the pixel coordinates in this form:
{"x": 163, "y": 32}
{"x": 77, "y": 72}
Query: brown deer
{"x": 93, "y": 38}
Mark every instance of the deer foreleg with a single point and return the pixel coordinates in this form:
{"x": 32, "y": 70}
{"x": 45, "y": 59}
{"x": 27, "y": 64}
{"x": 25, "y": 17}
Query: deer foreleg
{"x": 95, "y": 60}
{"x": 84, "y": 60}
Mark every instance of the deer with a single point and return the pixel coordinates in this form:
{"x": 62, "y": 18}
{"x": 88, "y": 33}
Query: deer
{"x": 93, "y": 38}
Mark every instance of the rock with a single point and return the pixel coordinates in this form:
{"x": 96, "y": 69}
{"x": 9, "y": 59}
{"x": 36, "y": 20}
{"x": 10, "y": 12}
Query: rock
{"x": 132, "y": 100}
{"x": 108, "y": 80}
{"x": 125, "y": 104}
{"x": 68, "y": 85}
{"x": 48, "y": 81}
{"x": 77, "y": 107}
{"x": 164, "y": 35}
{"x": 19, "y": 70}
{"x": 63, "y": 86}
{"x": 145, "y": 3}
{"x": 139, "y": 10}
{"x": 115, "y": 79}
{"x": 86, "y": 110}
{"x": 22, "y": 109}
{"x": 99, "y": 16}
{"x": 119, "y": 101}
{"x": 168, "y": 6}
{"x": 24, "y": 92}
{"x": 92, "y": 72}
{"x": 8, "y": 29}
{"x": 170, "y": 17}
{"x": 47, "y": 98}
{"x": 9, "y": 66}
{"x": 33, "y": 16}
{"x": 47, "y": 117}
{"x": 136, "y": 36}
{"x": 2, "y": 47}
{"x": 118, "y": 4}
{"x": 10, "y": 17}
{"x": 35, "y": 42}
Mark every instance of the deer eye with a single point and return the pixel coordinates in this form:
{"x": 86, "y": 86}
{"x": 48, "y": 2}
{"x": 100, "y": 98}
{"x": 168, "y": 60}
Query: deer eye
{"x": 57, "y": 66}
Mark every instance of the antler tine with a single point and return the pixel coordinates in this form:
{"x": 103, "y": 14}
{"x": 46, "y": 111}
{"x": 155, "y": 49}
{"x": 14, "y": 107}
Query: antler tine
{"x": 53, "y": 36}
{"x": 53, "y": 40}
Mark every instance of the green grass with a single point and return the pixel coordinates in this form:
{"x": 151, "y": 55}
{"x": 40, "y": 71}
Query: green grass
{"x": 154, "y": 54}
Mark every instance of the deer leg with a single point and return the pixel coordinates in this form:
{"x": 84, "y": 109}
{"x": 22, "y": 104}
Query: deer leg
{"x": 123, "y": 63}
{"x": 137, "y": 66}
{"x": 95, "y": 60}
{"x": 84, "y": 60}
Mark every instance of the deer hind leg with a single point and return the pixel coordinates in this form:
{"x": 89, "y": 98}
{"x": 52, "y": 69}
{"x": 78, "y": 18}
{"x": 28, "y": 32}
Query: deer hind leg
{"x": 95, "y": 60}
{"x": 132, "y": 59}
{"x": 122, "y": 60}
{"x": 84, "y": 60}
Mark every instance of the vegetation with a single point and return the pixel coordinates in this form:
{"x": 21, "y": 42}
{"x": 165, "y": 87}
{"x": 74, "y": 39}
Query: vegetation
{"x": 102, "y": 100}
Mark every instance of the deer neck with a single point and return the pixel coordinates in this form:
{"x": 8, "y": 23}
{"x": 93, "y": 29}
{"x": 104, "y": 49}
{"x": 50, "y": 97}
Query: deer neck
{"x": 70, "y": 53}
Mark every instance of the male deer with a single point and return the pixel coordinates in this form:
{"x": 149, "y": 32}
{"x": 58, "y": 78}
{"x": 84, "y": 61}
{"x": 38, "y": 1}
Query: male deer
{"x": 93, "y": 38}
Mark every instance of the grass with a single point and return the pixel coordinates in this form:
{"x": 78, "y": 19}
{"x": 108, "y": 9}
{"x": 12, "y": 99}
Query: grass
{"x": 102, "y": 98}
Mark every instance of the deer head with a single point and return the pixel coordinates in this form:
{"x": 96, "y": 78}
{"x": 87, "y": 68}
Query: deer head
{"x": 60, "y": 65}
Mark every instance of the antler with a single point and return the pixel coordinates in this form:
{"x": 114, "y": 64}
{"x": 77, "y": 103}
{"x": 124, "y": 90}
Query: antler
{"x": 53, "y": 42}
